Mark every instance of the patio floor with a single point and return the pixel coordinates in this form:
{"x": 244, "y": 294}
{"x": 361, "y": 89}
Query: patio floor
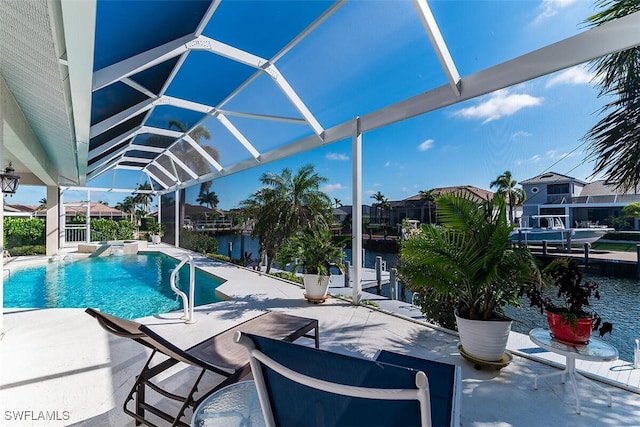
{"x": 59, "y": 364}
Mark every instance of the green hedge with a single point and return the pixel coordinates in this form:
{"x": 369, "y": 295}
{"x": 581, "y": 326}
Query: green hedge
{"x": 108, "y": 229}
{"x": 198, "y": 242}
{"x": 633, "y": 236}
{"x": 23, "y": 232}
{"x": 28, "y": 250}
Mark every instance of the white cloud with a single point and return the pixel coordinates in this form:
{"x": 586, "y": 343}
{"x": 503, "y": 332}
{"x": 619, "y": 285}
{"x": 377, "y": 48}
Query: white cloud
{"x": 500, "y": 103}
{"x": 521, "y": 134}
{"x": 535, "y": 159}
{"x": 377, "y": 184}
{"x": 555, "y": 154}
{"x": 573, "y": 76}
{"x": 425, "y": 145}
{"x": 330, "y": 188}
{"x": 336, "y": 156}
{"x": 370, "y": 192}
{"x": 387, "y": 164}
{"x": 551, "y": 8}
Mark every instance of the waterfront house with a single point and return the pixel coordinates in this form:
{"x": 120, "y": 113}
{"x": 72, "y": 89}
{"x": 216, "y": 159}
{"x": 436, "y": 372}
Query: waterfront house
{"x": 585, "y": 203}
{"x": 418, "y": 208}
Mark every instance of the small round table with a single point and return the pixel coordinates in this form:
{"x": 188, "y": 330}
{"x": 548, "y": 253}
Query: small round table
{"x": 235, "y": 405}
{"x": 595, "y": 351}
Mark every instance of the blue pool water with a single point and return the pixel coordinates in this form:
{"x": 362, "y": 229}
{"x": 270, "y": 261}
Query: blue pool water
{"x": 128, "y": 286}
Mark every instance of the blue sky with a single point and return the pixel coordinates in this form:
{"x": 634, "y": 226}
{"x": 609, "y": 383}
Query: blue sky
{"x": 528, "y": 129}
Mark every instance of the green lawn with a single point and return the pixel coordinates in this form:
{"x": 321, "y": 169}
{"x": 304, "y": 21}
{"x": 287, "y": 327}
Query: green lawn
{"x": 612, "y": 246}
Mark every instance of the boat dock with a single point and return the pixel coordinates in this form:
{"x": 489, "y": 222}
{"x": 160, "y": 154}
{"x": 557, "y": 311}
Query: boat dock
{"x": 610, "y": 263}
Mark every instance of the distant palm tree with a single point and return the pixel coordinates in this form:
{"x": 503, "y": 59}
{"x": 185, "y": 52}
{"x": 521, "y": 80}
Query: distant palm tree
{"x": 286, "y": 204}
{"x": 210, "y": 198}
{"x": 337, "y": 202}
{"x": 381, "y": 203}
{"x": 43, "y": 204}
{"x": 507, "y": 187}
{"x": 428, "y": 197}
{"x": 127, "y": 205}
{"x": 615, "y": 139}
{"x": 193, "y": 159}
{"x": 143, "y": 199}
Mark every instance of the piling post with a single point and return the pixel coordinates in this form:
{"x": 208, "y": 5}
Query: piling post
{"x": 347, "y": 273}
{"x": 586, "y": 255}
{"x": 568, "y": 242}
{"x": 379, "y": 275}
{"x": 230, "y": 248}
{"x": 544, "y": 250}
{"x": 638, "y": 261}
{"x": 394, "y": 284}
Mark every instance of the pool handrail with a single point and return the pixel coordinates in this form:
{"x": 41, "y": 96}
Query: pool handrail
{"x": 187, "y": 303}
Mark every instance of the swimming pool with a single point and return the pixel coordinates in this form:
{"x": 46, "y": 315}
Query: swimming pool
{"x": 128, "y": 286}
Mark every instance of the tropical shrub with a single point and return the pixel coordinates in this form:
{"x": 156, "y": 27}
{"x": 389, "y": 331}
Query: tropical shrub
{"x": 23, "y": 232}
{"x": 108, "y": 229}
{"x": 198, "y": 242}
{"x": 468, "y": 260}
{"x": 28, "y": 250}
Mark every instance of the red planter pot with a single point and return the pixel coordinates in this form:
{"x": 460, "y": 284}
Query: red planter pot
{"x": 564, "y": 330}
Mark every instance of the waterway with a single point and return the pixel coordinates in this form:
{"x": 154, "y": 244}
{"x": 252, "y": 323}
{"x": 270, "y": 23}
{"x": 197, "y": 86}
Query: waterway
{"x": 619, "y": 302}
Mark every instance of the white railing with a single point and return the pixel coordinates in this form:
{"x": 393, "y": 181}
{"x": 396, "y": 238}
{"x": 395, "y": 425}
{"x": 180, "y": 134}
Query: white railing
{"x": 187, "y": 303}
{"x": 74, "y": 233}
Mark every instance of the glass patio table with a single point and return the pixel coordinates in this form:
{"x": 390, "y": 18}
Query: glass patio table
{"x": 595, "y": 350}
{"x": 236, "y": 405}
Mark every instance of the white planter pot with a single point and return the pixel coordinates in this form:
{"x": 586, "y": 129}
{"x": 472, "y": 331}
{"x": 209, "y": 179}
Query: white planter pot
{"x": 155, "y": 239}
{"x": 315, "y": 289}
{"x": 484, "y": 339}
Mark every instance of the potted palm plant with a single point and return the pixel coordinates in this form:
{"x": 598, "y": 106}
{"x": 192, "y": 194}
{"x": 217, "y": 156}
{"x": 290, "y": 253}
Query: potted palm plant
{"x": 155, "y": 231}
{"x": 313, "y": 250}
{"x": 468, "y": 261}
{"x": 568, "y": 315}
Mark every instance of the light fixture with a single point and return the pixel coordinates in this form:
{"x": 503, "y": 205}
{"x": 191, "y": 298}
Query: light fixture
{"x": 9, "y": 181}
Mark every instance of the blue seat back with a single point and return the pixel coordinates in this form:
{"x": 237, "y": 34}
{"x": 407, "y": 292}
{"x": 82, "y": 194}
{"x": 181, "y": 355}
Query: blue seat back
{"x": 294, "y": 404}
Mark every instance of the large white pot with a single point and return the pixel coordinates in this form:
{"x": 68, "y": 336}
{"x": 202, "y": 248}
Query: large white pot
{"x": 314, "y": 287}
{"x": 484, "y": 339}
{"x": 155, "y": 239}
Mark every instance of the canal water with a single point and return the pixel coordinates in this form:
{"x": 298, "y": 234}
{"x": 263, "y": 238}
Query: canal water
{"x": 619, "y": 302}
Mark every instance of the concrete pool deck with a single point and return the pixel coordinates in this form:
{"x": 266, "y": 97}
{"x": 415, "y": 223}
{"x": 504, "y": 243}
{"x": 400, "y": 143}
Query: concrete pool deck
{"x": 59, "y": 363}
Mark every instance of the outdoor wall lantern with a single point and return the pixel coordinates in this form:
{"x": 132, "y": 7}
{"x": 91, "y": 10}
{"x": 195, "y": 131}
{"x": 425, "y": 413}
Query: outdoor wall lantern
{"x": 9, "y": 181}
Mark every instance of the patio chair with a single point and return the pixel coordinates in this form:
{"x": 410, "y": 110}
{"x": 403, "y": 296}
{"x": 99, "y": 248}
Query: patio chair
{"x": 217, "y": 354}
{"x": 302, "y": 386}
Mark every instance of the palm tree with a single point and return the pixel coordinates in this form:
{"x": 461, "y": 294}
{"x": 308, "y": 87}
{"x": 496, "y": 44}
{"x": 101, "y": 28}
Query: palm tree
{"x": 428, "y": 197}
{"x": 127, "y": 205}
{"x": 507, "y": 188}
{"x": 43, "y": 204}
{"x": 143, "y": 199}
{"x": 210, "y": 198}
{"x": 381, "y": 202}
{"x": 192, "y": 158}
{"x": 615, "y": 139}
{"x": 286, "y": 204}
{"x": 337, "y": 202}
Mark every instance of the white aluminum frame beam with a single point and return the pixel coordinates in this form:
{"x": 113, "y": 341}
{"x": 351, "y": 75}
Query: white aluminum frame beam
{"x": 180, "y": 163}
{"x": 438, "y": 43}
{"x": 203, "y": 153}
{"x": 238, "y": 135}
{"x": 356, "y": 213}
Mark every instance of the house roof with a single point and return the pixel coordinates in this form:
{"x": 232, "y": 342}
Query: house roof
{"x": 92, "y": 88}
{"x": 551, "y": 178}
{"x": 95, "y": 209}
{"x": 416, "y": 200}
